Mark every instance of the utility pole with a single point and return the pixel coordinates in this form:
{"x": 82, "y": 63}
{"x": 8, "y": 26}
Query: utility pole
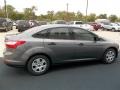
{"x": 67, "y": 6}
{"x": 86, "y": 11}
{"x": 5, "y": 5}
{"x": 67, "y": 12}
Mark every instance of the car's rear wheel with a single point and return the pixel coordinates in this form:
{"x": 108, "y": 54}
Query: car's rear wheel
{"x": 103, "y": 28}
{"x": 109, "y": 56}
{"x": 6, "y": 29}
{"x": 19, "y": 30}
{"x": 113, "y": 29}
{"x": 38, "y": 65}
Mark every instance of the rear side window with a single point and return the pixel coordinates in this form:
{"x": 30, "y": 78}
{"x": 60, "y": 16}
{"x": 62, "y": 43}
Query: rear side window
{"x": 59, "y": 33}
{"x": 41, "y": 34}
{"x": 80, "y": 34}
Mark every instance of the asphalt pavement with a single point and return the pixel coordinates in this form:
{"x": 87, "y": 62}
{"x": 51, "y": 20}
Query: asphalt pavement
{"x": 88, "y": 75}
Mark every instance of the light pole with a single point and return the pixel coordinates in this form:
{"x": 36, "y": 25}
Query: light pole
{"x": 5, "y": 5}
{"x": 67, "y": 11}
{"x": 86, "y": 11}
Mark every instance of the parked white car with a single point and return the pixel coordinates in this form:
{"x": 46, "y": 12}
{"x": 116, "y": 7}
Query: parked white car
{"x": 115, "y": 27}
{"x": 76, "y": 23}
{"x": 106, "y": 26}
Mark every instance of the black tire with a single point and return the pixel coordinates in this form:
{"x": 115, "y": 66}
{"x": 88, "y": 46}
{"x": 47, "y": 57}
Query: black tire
{"x": 113, "y": 29}
{"x": 19, "y": 30}
{"x": 6, "y": 30}
{"x": 31, "y": 65}
{"x": 103, "y": 28}
{"x": 105, "y": 57}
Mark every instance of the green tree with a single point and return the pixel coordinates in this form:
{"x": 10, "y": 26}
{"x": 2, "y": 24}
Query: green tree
{"x": 50, "y": 15}
{"x": 91, "y": 17}
{"x": 1, "y": 13}
{"x": 113, "y": 18}
{"x": 60, "y": 15}
{"x": 71, "y": 16}
{"x": 102, "y": 16}
{"x": 10, "y": 11}
{"x": 42, "y": 17}
{"x": 29, "y": 13}
{"x": 63, "y": 15}
{"x": 79, "y": 16}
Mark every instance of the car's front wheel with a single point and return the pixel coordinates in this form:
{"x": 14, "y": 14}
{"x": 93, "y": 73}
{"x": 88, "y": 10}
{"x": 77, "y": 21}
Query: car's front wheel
{"x": 113, "y": 29}
{"x": 38, "y": 65}
{"x": 109, "y": 56}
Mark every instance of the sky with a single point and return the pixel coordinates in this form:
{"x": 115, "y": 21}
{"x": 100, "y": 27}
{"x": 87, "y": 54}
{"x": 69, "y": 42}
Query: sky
{"x": 95, "y": 6}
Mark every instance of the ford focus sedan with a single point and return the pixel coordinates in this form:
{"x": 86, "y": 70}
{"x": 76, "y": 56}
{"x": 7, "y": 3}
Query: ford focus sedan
{"x": 40, "y": 47}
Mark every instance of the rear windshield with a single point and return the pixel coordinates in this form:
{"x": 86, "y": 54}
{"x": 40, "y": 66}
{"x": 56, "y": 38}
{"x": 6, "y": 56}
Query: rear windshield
{"x": 78, "y": 23}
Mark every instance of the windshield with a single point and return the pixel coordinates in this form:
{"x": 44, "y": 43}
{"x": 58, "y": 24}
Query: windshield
{"x": 114, "y": 24}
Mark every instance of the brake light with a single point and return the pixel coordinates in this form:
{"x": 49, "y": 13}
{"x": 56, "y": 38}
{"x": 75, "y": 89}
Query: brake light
{"x": 14, "y": 44}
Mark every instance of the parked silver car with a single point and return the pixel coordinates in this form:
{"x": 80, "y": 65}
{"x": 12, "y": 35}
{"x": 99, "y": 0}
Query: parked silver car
{"x": 40, "y": 47}
{"x": 5, "y": 24}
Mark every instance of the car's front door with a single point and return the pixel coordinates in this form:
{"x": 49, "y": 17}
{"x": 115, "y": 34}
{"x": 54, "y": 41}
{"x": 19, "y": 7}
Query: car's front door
{"x": 59, "y": 42}
{"x": 86, "y": 46}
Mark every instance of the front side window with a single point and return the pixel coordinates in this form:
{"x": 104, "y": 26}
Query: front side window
{"x": 59, "y": 33}
{"x": 80, "y": 34}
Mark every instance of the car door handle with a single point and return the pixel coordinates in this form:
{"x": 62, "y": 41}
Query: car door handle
{"x": 81, "y": 44}
{"x": 51, "y": 43}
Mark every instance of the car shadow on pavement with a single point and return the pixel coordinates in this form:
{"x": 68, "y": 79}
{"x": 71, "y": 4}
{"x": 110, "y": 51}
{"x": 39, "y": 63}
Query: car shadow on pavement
{"x": 73, "y": 65}
{"x": 2, "y": 31}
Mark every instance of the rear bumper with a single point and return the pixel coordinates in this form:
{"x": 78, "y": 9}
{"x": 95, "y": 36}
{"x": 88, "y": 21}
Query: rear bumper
{"x": 14, "y": 63}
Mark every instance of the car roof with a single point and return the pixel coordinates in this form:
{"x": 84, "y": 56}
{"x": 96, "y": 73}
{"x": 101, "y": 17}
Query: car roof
{"x": 43, "y": 27}
{"x": 55, "y": 26}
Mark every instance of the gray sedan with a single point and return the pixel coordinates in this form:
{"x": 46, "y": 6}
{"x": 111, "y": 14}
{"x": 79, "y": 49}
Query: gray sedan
{"x": 40, "y": 47}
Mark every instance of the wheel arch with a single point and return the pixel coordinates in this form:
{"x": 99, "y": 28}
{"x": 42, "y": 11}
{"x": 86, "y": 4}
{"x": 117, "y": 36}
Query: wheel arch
{"x": 48, "y": 56}
{"x": 114, "y": 49}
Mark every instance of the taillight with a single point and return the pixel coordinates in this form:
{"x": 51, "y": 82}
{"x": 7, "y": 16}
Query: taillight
{"x": 13, "y": 44}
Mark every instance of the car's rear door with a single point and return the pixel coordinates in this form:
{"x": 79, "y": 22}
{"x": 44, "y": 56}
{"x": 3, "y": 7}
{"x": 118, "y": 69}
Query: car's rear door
{"x": 60, "y": 43}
